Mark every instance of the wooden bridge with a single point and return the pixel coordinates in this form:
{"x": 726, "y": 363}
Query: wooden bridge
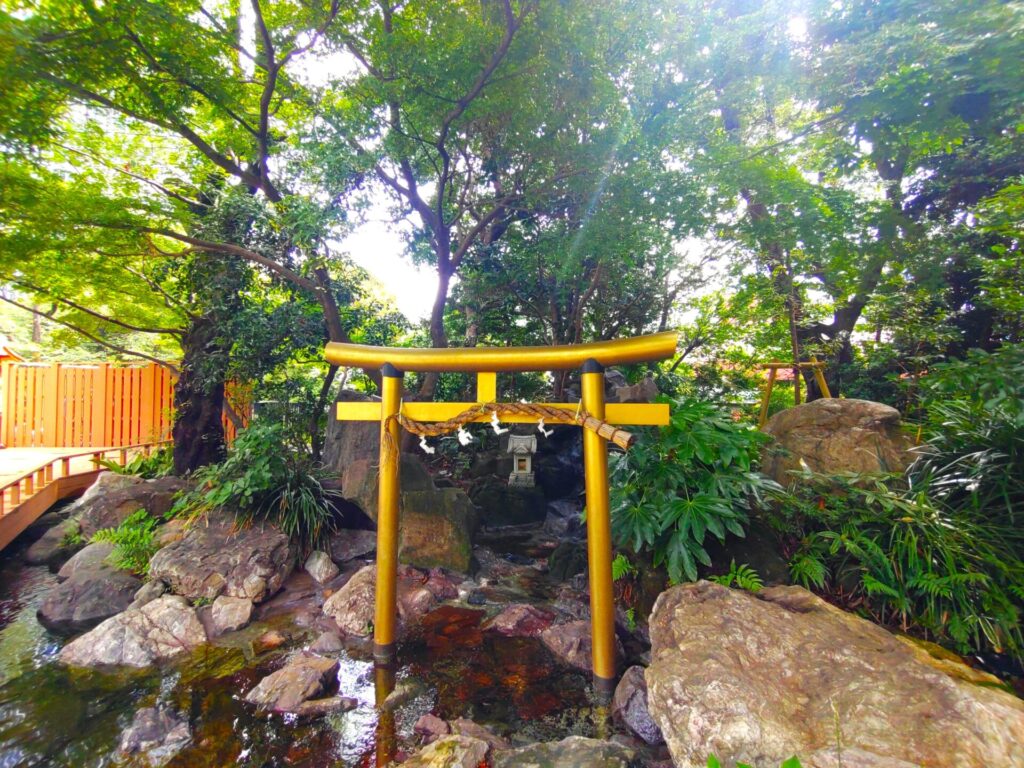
{"x": 34, "y": 479}
{"x": 61, "y": 419}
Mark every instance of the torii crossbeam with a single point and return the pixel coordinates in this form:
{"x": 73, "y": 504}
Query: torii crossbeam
{"x": 486, "y": 363}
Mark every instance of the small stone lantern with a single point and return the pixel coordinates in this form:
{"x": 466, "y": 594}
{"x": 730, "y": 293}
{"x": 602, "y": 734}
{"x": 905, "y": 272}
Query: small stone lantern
{"x": 522, "y": 448}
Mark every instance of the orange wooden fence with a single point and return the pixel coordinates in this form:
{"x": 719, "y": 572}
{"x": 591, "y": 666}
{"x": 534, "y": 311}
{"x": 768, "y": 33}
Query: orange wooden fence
{"x": 82, "y": 405}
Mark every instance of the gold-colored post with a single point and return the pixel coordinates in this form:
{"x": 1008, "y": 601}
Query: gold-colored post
{"x": 387, "y": 518}
{"x": 763, "y": 418}
{"x": 599, "y": 543}
{"x": 819, "y": 376}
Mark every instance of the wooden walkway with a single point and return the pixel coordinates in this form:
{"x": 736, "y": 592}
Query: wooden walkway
{"x": 34, "y": 479}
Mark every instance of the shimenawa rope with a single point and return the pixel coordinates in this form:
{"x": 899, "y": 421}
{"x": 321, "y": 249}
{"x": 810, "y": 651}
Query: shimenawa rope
{"x": 549, "y": 413}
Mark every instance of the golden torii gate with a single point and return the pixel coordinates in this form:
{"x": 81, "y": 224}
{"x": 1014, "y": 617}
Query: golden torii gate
{"x": 486, "y": 363}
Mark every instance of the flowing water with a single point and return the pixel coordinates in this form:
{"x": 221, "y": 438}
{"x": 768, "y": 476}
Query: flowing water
{"x": 53, "y": 716}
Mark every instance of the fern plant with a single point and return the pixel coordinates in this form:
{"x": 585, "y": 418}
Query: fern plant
{"x": 908, "y": 560}
{"x": 742, "y": 576}
{"x": 133, "y": 540}
{"x": 158, "y": 464}
{"x": 622, "y": 567}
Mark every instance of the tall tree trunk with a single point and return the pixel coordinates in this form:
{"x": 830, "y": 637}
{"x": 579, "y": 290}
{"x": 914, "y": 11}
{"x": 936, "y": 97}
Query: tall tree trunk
{"x": 438, "y": 337}
{"x": 199, "y": 399}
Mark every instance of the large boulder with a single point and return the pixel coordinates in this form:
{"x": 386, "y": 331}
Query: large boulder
{"x": 105, "y": 504}
{"x": 109, "y": 506}
{"x": 348, "y": 544}
{"x": 347, "y": 442}
{"x": 138, "y": 637}
{"x": 216, "y": 558}
{"x": 759, "y": 678}
{"x": 572, "y": 752}
{"x": 835, "y": 435}
{"x": 55, "y": 546}
{"x": 437, "y": 524}
{"x": 503, "y": 504}
{"x": 352, "y": 606}
{"x": 91, "y": 591}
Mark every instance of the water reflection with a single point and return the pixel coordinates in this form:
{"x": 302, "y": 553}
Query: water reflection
{"x": 385, "y": 733}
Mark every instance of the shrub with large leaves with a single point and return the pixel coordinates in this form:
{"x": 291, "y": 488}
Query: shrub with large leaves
{"x": 684, "y": 481}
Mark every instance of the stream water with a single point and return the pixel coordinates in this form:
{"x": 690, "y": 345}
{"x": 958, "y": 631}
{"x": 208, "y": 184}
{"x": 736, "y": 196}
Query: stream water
{"x": 53, "y": 716}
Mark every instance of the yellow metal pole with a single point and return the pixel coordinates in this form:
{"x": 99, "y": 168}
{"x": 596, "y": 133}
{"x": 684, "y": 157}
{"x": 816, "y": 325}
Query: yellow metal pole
{"x": 387, "y": 518}
{"x": 819, "y": 376}
{"x": 599, "y": 542}
{"x": 763, "y": 418}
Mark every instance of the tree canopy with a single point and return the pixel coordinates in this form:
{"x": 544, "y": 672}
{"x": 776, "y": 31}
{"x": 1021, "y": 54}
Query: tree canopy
{"x": 840, "y": 179}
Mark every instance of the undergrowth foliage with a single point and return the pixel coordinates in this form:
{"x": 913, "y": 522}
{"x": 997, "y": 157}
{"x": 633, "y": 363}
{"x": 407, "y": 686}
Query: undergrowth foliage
{"x": 741, "y": 576}
{"x": 133, "y": 540}
{"x": 888, "y": 548}
{"x": 973, "y": 458}
{"x": 157, "y": 464}
{"x": 264, "y": 479}
{"x": 684, "y": 481}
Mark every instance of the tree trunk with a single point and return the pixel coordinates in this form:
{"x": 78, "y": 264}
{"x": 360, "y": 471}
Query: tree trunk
{"x": 199, "y": 399}
{"x": 438, "y": 337}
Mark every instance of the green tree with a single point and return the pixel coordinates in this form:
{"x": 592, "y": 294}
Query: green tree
{"x": 193, "y": 159}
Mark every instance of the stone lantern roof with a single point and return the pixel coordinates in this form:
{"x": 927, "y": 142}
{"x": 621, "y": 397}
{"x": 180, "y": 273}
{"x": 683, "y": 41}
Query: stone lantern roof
{"x": 519, "y": 444}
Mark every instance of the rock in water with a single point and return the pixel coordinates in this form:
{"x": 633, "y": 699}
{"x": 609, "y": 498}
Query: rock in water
{"x": 298, "y": 688}
{"x": 521, "y": 620}
{"x": 92, "y": 590}
{"x": 215, "y": 558}
{"x": 155, "y": 736}
{"x": 327, "y": 642}
{"x": 572, "y": 643}
{"x": 629, "y": 706}
{"x": 573, "y": 752}
{"x": 138, "y": 637}
{"x": 320, "y": 567}
{"x": 91, "y": 557}
{"x": 352, "y": 606}
{"x": 56, "y": 545}
{"x": 759, "y": 678}
{"x": 450, "y": 752}
{"x": 835, "y": 435}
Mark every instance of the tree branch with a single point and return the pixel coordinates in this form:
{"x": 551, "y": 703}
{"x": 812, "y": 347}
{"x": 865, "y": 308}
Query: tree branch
{"x": 86, "y": 310}
{"x": 91, "y": 337}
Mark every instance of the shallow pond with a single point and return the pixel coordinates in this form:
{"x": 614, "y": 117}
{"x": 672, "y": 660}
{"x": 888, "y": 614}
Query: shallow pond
{"x": 52, "y": 716}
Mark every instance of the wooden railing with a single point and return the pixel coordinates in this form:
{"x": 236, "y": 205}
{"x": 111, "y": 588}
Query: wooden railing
{"x": 28, "y": 496}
